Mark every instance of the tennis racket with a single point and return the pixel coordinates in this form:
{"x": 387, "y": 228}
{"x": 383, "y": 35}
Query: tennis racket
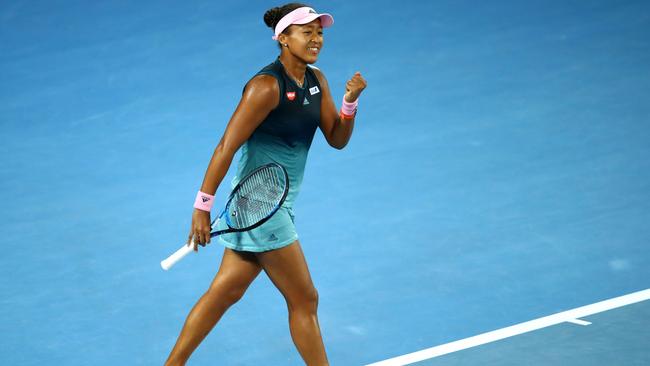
{"x": 251, "y": 203}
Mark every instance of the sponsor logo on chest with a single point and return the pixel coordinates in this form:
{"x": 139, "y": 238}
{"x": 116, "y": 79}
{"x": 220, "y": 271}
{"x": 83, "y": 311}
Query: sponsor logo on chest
{"x": 314, "y": 90}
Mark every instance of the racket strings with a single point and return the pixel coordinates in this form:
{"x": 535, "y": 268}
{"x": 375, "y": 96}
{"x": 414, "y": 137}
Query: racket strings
{"x": 257, "y": 197}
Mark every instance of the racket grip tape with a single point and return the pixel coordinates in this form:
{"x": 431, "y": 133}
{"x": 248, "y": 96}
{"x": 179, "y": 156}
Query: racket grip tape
{"x": 177, "y": 256}
{"x": 184, "y": 250}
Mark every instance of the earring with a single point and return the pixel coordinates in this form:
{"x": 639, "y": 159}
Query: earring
{"x": 286, "y": 45}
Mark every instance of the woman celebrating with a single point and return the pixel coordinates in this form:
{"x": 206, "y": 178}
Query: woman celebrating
{"x": 275, "y": 121}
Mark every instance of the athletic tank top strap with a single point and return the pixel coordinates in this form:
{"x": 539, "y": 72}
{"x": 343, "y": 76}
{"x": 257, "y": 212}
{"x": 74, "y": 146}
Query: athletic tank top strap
{"x": 276, "y": 69}
{"x": 273, "y": 70}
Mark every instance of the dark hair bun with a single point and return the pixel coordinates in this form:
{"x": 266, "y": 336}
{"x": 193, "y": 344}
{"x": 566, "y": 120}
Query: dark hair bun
{"x": 272, "y": 17}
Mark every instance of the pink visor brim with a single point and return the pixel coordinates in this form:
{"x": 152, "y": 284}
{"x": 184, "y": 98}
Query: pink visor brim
{"x": 302, "y": 16}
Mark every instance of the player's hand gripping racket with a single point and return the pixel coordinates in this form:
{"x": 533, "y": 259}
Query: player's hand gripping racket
{"x": 251, "y": 203}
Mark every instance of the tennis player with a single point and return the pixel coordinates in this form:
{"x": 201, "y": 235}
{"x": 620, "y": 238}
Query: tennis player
{"x": 275, "y": 121}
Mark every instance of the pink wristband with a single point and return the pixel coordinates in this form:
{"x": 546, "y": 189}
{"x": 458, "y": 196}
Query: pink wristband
{"x": 349, "y": 109}
{"x": 203, "y": 201}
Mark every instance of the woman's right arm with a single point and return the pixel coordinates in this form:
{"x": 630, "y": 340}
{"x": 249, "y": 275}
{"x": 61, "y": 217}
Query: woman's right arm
{"x": 260, "y": 97}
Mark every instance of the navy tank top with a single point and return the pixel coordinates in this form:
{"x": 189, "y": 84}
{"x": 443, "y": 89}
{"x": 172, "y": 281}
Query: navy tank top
{"x": 287, "y": 132}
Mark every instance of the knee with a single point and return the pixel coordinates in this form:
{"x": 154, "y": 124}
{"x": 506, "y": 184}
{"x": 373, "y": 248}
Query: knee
{"x": 225, "y": 296}
{"x": 307, "y": 300}
{"x": 312, "y": 297}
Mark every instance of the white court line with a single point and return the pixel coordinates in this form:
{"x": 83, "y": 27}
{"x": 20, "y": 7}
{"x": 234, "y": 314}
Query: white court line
{"x": 578, "y": 322}
{"x": 529, "y": 326}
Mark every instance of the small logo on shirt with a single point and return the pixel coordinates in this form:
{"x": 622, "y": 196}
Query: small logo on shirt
{"x": 273, "y": 237}
{"x": 291, "y": 95}
{"x": 306, "y": 102}
{"x": 313, "y": 90}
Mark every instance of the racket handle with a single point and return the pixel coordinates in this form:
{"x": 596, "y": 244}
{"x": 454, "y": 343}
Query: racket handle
{"x": 177, "y": 256}
{"x": 184, "y": 250}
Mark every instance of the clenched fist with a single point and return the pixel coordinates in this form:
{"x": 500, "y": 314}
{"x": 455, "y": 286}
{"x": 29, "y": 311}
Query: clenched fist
{"x": 354, "y": 87}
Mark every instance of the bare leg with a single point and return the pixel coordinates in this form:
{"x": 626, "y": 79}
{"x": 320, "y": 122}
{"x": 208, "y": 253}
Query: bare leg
{"x": 287, "y": 269}
{"x": 237, "y": 271}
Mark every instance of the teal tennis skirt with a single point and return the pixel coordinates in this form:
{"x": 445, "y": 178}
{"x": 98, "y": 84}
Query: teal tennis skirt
{"x": 279, "y": 231}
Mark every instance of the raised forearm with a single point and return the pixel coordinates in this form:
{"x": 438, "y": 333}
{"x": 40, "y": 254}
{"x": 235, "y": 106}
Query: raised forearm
{"x": 341, "y": 132}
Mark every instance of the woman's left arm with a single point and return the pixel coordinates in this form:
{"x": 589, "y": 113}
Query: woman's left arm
{"x": 336, "y": 128}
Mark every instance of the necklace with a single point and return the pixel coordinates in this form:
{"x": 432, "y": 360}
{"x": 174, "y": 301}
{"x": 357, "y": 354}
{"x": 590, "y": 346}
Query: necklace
{"x": 299, "y": 83}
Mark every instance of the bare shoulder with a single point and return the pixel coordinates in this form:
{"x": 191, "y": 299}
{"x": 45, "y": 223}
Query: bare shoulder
{"x": 262, "y": 90}
{"x": 263, "y": 84}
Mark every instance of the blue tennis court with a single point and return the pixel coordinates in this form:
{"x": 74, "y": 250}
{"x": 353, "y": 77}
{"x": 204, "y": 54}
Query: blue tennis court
{"x": 499, "y": 172}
